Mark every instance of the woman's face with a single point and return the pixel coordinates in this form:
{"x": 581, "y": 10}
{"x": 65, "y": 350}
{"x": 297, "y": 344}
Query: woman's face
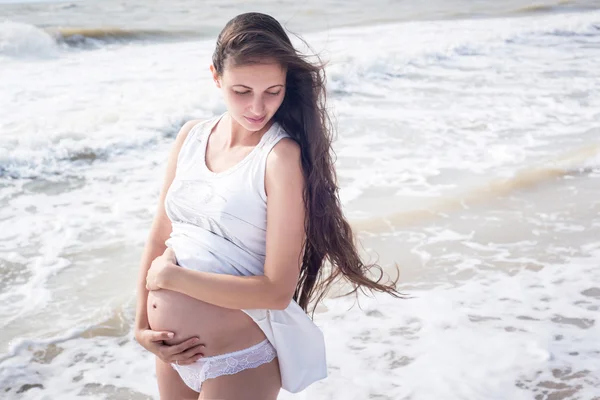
{"x": 252, "y": 93}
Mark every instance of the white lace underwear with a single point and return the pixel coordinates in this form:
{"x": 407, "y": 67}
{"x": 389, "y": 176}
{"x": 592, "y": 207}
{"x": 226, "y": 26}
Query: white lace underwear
{"x": 225, "y": 364}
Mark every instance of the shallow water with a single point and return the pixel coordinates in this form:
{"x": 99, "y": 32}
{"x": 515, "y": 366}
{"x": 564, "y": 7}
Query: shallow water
{"x": 468, "y": 152}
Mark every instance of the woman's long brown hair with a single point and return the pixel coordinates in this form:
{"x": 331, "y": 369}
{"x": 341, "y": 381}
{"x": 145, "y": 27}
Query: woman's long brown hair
{"x": 253, "y": 38}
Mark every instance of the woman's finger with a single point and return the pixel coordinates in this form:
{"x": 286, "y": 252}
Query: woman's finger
{"x": 191, "y": 360}
{"x": 158, "y": 336}
{"x": 189, "y": 353}
{"x": 175, "y": 350}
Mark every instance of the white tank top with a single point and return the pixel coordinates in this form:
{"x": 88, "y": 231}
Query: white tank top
{"x": 220, "y": 224}
{"x": 230, "y": 205}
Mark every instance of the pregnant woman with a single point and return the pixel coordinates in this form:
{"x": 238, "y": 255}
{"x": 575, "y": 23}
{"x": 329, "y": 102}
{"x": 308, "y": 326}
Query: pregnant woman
{"x": 248, "y": 216}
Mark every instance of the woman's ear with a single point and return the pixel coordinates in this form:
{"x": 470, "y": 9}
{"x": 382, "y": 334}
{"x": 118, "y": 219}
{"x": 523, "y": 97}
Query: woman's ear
{"x": 213, "y": 71}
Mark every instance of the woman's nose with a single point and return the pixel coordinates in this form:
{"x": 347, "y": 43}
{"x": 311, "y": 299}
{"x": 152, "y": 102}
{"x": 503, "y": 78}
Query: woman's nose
{"x": 258, "y": 105}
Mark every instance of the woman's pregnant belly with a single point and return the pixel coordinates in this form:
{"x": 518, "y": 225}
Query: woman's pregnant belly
{"x": 221, "y": 330}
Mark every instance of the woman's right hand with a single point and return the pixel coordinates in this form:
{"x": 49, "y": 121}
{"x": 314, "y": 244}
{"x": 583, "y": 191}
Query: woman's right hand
{"x": 184, "y": 353}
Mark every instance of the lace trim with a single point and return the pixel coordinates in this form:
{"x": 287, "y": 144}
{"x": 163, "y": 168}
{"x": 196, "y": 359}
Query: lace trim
{"x": 226, "y": 364}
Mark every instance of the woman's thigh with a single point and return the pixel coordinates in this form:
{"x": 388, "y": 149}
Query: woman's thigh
{"x": 262, "y": 382}
{"x": 170, "y": 384}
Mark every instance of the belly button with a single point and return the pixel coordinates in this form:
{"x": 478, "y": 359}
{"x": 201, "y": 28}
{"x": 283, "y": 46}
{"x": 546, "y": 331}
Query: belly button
{"x": 153, "y": 305}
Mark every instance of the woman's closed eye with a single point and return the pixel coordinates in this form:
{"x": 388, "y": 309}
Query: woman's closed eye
{"x": 248, "y": 91}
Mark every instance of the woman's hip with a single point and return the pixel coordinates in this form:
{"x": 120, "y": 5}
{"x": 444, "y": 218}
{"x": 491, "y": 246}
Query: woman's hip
{"x": 252, "y": 372}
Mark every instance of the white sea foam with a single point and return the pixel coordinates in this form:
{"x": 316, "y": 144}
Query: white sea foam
{"x": 25, "y": 41}
{"x": 455, "y": 106}
{"x": 498, "y": 337}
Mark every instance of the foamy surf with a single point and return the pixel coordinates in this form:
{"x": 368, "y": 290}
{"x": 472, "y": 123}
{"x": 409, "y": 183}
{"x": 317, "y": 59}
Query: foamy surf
{"x": 585, "y": 160}
{"x": 23, "y": 40}
{"x": 371, "y": 76}
{"x": 522, "y": 336}
{"x": 101, "y": 36}
{"x": 488, "y": 126}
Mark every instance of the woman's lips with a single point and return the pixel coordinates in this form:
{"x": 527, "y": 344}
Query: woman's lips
{"x": 255, "y": 120}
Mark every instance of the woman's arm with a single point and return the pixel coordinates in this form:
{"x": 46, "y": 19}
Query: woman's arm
{"x": 284, "y": 183}
{"x": 160, "y": 230}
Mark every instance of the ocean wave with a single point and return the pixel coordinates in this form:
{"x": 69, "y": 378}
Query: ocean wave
{"x": 63, "y": 156}
{"x": 24, "y": 40}
{"x": 361, "y": 74}
{"x": 90, "y": 37}
{"x": 19, "y": 39}
{"x": 559, "y": 6}
{"x": 582, "y": 161}
{"x": 589, "y": 31}
{"x": 58, "y": 159}
{"x": 427, "y": 48}
{"x": 32, "y": 166}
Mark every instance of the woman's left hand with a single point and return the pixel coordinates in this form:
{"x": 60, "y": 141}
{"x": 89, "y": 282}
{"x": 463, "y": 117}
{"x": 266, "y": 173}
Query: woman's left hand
{"x": 158, "y": 269}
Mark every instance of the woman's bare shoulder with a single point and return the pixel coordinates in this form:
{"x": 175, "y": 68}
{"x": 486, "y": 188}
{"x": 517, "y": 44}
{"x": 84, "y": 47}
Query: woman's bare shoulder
{"x": 284, "y": 164}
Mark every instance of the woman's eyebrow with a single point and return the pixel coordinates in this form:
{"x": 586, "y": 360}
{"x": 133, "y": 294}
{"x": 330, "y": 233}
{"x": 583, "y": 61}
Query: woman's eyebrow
{"x": 248, "y": 87}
